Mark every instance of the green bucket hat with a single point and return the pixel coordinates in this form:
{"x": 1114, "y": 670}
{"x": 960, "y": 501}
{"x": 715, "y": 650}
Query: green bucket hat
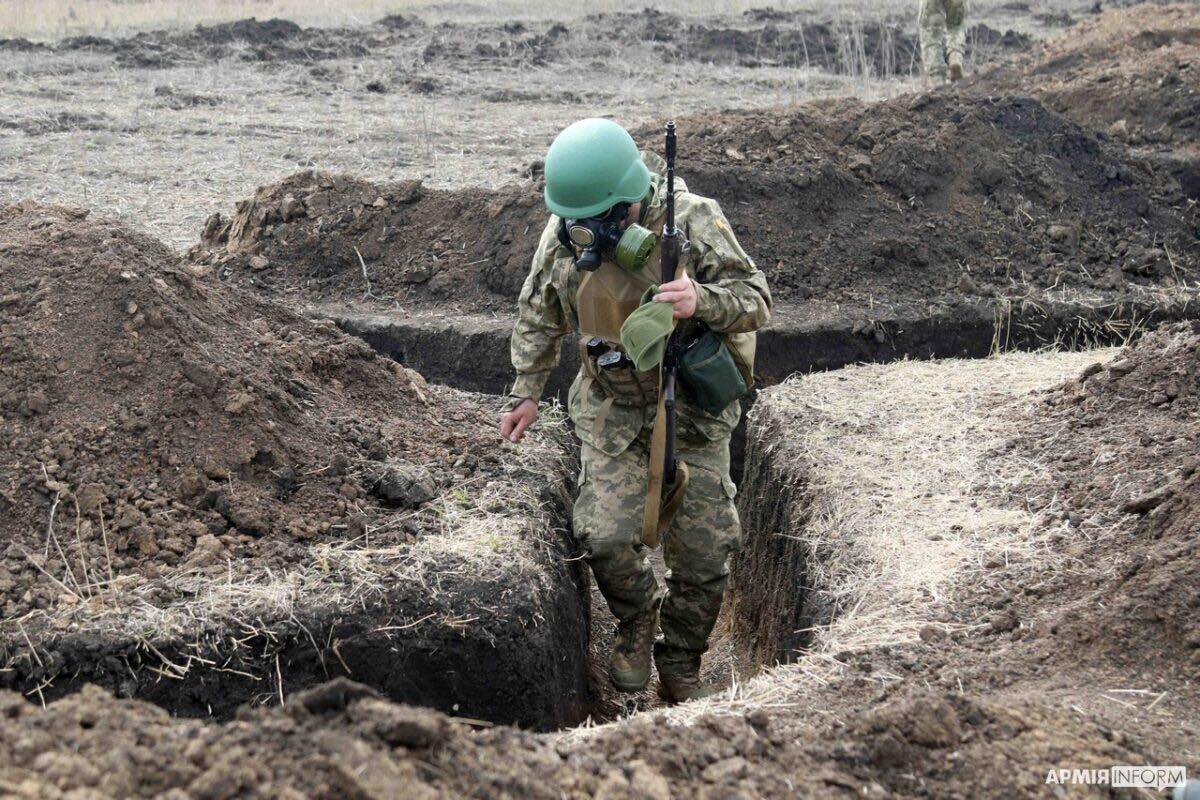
{"x": 645, "y": 332}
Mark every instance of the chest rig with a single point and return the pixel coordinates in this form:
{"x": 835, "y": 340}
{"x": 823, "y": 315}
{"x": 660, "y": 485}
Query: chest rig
{"x": 605, "y": 299}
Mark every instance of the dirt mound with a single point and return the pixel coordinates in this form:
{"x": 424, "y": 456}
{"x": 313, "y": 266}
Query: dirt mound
{"x": 250, "y": 31}
{"x": 152, "y": 422}
{"x": 338, "y": 237}
{"x": 20, "y": 44}
{"x": 342, "y": 740}
{"x": 510, "y": 44}
{"x": 201, "y": 485}
{"x": 273, "y": 40}
{"x": 1123, "y": 492}
{"x": 938, "y": 194}
{"x": 926, "y": 199}
{"x": 850, "y": 47}
{"x": 1131, "y": 72}
{"x": 766, "y": 37}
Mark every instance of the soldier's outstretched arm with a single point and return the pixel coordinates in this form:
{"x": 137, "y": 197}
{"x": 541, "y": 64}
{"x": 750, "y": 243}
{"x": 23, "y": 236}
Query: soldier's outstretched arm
{"x": 731, "y": 292}
{"x": 541, "y": 322}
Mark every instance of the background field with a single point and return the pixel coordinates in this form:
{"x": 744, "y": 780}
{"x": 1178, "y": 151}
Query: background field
{"x": 165, "y": 129}
{"x": 58, "y": 18}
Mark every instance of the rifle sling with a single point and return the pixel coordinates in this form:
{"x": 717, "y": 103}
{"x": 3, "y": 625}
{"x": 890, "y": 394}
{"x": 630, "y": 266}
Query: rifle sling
{"x": 660, "y": 511}
{"x": 654, "y": 484}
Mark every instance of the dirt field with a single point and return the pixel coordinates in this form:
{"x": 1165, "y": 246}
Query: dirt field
{"x": 245, "y": 554}
{"x": 164, "y": 129}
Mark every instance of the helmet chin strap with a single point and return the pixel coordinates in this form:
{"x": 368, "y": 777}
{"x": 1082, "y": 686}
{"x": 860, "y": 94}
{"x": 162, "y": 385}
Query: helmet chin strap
{"x": 644, "y": 209}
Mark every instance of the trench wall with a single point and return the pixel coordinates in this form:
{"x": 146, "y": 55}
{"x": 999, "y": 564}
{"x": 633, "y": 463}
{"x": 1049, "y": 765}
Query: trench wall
{"x": 472, "y": 353}
{"x": 768, "y": 605}
{"x": 506, "y": 649}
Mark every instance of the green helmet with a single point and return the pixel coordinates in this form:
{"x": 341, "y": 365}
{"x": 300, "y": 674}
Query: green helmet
{"x": 592, "y": 166}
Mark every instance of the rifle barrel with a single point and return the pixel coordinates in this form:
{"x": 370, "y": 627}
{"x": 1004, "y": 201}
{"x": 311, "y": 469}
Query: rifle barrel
{"x": 671, "y": 246}
{"x": 670, "y": 224}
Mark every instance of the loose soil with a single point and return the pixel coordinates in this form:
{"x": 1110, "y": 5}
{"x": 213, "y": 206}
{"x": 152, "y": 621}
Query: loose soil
{"x": 926, "y": 201}
{"x": 1119, "y": 444}
{"x": 195, "y": 424}
{"x": 341, "y": 740}
{"x": 1131, "y": 73}
{"x": 200, "y": 486}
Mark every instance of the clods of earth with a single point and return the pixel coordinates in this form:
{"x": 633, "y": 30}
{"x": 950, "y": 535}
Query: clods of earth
{"x": 205, "y": 496}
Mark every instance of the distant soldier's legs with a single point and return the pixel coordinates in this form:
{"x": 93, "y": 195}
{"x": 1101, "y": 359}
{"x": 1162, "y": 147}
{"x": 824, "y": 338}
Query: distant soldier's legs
{"x": 932, "y": 35}
{"x": 956, "y": 11}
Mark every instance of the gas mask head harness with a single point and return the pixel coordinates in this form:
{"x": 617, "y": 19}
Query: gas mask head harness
{"x": 594, "y": 239}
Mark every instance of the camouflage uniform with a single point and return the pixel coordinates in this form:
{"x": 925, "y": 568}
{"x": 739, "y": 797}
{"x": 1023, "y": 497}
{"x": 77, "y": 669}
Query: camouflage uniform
{"x": 941, "y": 34}
{"x": 732, "y": 297}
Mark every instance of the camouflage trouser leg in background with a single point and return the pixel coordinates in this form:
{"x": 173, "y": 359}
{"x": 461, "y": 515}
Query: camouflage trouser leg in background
{"x": 941, "y": 32}
{"x": 956, "y": 32}
{"x": 706, "y": 531}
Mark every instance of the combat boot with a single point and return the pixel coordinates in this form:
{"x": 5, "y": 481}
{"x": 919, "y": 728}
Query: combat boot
{"x": 956, "y": 66}
{"x": 629, "y": 667}
{"x": 679, "y": 676}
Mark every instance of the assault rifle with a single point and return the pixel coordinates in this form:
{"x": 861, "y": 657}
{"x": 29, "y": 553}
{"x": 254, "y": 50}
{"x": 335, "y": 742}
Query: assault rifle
{"x": 668, "y": 476}
{"x": 672, "y": 247}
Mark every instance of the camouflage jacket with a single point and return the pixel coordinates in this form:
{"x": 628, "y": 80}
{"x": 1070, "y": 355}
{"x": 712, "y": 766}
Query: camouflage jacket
{"x": 732, "y": 297}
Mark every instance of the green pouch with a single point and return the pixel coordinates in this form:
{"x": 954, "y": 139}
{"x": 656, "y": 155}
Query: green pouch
{"x": 709, "y": 375}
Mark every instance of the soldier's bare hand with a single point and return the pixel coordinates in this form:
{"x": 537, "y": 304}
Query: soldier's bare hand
{"x": 514, "y": 423}
{"x": 681, "y": 292}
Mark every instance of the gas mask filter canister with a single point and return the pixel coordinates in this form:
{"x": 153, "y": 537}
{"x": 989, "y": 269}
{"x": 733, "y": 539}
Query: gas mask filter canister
{"x": 598, "y": 237}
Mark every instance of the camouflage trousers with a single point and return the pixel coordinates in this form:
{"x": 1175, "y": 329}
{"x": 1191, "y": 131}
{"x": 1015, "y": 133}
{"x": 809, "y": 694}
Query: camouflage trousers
{"x": 941, "y": 33}
{"x": 705, "y": 532}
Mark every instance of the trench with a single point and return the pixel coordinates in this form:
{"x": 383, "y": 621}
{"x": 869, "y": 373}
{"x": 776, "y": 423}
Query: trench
{"x": 768, "y": 611}
{"x": 471, "y": 352}
{"x": 502, "y": 668}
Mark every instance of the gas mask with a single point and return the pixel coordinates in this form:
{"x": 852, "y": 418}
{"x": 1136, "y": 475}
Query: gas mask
{"x": 600, "y": 237}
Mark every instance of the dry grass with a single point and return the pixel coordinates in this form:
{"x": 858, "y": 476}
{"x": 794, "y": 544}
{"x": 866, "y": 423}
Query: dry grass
{"x": 903, "y": 503}
{"x": 494, "y": 530}
{"x": 900, "y": 484}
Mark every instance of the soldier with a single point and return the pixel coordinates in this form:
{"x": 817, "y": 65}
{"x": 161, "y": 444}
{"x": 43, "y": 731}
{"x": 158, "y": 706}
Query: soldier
{"x": 942, "y": 37}
{"x": 598, "y": 183}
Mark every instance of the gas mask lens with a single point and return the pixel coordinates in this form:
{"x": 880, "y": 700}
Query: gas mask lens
{"x": 598, "y": 237}
{"x": 581, "y": 236}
